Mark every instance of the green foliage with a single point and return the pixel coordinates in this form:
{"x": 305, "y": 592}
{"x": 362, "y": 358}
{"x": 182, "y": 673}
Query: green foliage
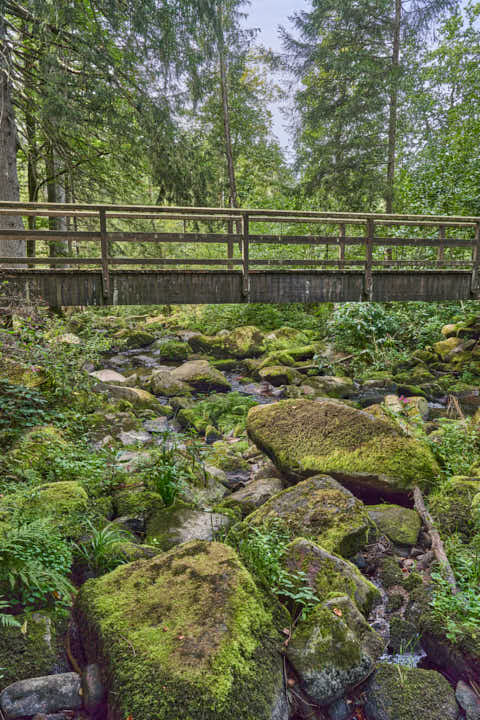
{"x": 169, "y": 469}
{"x": 262, "y": 550}
{"x": 456, "y": 446}
{"x": 34, "y": 564}
{"x": 6, "y": 620}
{"x": 459, "y": 614}
{"x": 225, "y": 411}
{"x": 102, "y": 551}
{"x": 21, "y": 407}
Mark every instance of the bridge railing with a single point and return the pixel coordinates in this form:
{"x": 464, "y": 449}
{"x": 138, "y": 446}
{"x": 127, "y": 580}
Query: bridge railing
{"x": 107, "y": 238}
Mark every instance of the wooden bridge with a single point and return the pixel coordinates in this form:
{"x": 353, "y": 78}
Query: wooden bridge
{"x": 139, "y": 255}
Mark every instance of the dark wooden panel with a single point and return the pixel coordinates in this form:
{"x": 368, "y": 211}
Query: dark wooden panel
{"x": 427, "y": 285}
{"x": 305, "y": 286}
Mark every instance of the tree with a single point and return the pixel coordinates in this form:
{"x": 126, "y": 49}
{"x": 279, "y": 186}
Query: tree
{"x": 353, "y": 61}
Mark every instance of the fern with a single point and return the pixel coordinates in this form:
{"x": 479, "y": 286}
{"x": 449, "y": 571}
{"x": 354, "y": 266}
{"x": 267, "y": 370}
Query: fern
{"x": 7, "y": 620}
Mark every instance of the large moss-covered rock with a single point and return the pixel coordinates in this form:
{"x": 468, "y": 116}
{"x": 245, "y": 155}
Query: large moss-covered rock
{"x": 285, "y": 337}
{"x": 319, "y": 508}
{"x": 30, "y": 653}
{"x": 401, "y": 525}
{"x": 242, "y": 342}
{"x": 369, "y": 454}
{"x": 179, "y": 524}
{"x": 65, "y": 503}
{"x": 333, "y": 650}
{"x": 139, "y": 398}
{"x": 19, "y": 373}
{"x": 327, "y": 574}
{"x": 402, "y": 693}
{"x": 37, "y": 450}
{"x": 163, "y": 383}
{"x": 254, "y": 494}
{"x": 201, "y": 376}
{"x": 331, "y": 386}
{"x": 280, "y": 375}
{"x": 126, "y": 338}
{"x": 183, "y": 635}
{"x": 172, "y": 350}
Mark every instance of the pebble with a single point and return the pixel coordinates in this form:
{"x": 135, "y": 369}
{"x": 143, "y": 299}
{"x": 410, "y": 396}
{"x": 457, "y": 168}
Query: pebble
{"x": 468, "y": 700}
{"x": 48, "y": 694}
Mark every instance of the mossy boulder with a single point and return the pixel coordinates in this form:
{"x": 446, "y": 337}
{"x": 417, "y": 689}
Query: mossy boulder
{"x": 333, "y": 650}
{"x": 225, "y": 412}
{"x": 179, "y": 524}
{"x": 443, "y": 348}
{"x": 140, "y": 399}
{"x": 451, "y": 507}
{"x": 137, "y": 502}
{"x": 130, "y": 339}
{"x": 65, "y": 503}
{"x": 401, "y": 525}
{"x": 404, "y": 693}
{"x": 201, "y": 376}
{"x": 319, "y": 508}
{"x": 280, "y": 375}
{"x": 163, "y": 383}
{"x": 31, "y": 653}
{"x": 329, "y": 575}
{"x": 331, "y": 386}
{"x": 227, "y": 456}
{"x": 285, "y": 337}
{"x": 373, "y": 456}
{"x": 404, "y": 636}
{"x": 183, "y": 635}
{"x": 172, "y": 350}
{"x": 19, "y": 373}
{"x": 37, "y": 450}
{"x": 392, "y": 575}
{"x": 279, "y": 357}
{"x": 243, "y": 342}
{"x": 254, "y": 494}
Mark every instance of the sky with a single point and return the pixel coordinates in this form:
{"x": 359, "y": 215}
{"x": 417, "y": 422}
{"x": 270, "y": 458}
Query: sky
{"x": 267, "y": 15}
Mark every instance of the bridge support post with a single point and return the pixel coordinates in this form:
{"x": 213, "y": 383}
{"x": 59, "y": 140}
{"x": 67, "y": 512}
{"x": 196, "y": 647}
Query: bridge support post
{"x": 474, "y": 287}
{"x": 368, "y": 279}
{"x": 104, "y": 243}
{"x": 245, "y": 259}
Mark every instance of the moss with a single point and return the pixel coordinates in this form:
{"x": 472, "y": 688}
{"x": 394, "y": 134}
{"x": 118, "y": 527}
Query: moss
{"x": 184, "y": 635}
{"x": 201, "y": 376}
{"x": 65, "y": 502}
{"x": 31, "y": 653}
{"x": 395, "y": 602}
{"x": 399, "y": 524}
{"x": 326, "y": 574}
{"x": 224, "y": 412}
{"x": 303, "y": 437}
{"x": 391, "y": 575}
{"x": 445, "y": 347}
{"x": 451, "y": 507}
{"x": 280, "y": 357}
{"x": 172, "y": 350}
{"x": 403, "y": 693}
{"x": 279, "y": 375}
{"x": 126, "y": 338}
{"x": 240, "y": 343}
{"x": 227, "y": 457}
{"x": 18, "y": 373}
{"x": 38, "y": 450}
{"x": 284, "y": 338}
{"x": 137, "y": 503}
{"x": 404, "y": 636}
{"x": 318, "y": 508}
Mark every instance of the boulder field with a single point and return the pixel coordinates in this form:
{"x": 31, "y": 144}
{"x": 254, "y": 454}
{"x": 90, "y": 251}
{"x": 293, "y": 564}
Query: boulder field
{"x": 273, "y": 566}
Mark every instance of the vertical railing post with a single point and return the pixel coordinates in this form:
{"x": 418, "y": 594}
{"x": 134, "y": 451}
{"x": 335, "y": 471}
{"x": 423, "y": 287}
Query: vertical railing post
{"x": 475, "y": 261}
{"x": 245, "y": 258}
{"x": 368, "y": 279}
{"x": 104, "y": 243}
{"x": 230, "y": 244}
{"x": 441, "y": 249}
{"x": 341, "y": 247}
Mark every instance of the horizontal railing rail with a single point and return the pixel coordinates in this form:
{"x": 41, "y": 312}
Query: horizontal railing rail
{"x": 249, "y": 236}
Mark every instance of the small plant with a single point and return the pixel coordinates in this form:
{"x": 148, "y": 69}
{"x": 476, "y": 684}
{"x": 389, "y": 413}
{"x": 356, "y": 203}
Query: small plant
{"x": 21, "y": 407}
{"x": 262, "y": 551}
{"x": 102, "y": 551}
{"x": 456, "y": 447}
{"x": 7, "y": 620}
{"x": 35, "y": 564}
{"x": 169, "y": 470}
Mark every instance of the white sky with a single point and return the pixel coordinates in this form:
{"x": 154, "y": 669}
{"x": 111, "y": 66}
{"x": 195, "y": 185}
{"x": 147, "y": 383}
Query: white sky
{"x": 267, "y": 15}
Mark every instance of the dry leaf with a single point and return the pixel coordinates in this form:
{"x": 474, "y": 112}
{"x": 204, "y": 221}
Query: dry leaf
{"x": 23, "y": 629}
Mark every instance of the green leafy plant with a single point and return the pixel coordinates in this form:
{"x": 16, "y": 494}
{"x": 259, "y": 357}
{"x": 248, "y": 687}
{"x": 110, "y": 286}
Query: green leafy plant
{"x": 169, "y": 470}
{"x": 102, "y": 551}
{"x": 21, "y": 407}
{"x": 35, "y": 564}
{"x": 262, "y": 551}
{"x": 7, "y": 620}
{"x": 456, "y": 446}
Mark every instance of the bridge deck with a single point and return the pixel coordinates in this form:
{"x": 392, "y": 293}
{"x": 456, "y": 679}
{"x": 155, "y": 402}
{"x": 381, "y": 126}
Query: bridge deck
{"x": 438, "y": 260}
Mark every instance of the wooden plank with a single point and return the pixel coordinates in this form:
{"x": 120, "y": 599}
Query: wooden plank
{"x": 368, "y": 281}
{"x": 341, "y": 247}
{"x": 57, "y": 260}
{"x": 254, "y": 213}
{"x": 475, "y": 262}
{"x": 441, "y": 249}
{"x": 230, "y": 243}
{"x": 245, "y": 257}
{"x": 105, "y": 254}
{"x": 141, "y": 237}
{"x": 172, "y": 261}
{"x": 301, "y": 262}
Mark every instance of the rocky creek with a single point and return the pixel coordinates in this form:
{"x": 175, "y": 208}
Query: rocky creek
{"x": 273, "y": 443}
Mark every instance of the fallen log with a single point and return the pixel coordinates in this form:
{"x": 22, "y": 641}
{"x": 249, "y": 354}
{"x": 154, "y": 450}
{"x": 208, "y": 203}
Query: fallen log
{"x": 437, "y": 544}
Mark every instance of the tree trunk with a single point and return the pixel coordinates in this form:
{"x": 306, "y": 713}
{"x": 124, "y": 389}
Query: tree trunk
{"x": 392, "y": 120}
{"x": 9, "y": 189}
{"x": 55, "y": 194}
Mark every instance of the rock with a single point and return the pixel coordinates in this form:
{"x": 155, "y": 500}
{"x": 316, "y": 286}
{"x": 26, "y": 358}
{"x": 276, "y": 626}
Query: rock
{"x": 30, "y": 653}
{"x": 449, "y": 330}
{"x": 133, "y": 338}
{"x": 243, "y": 342}
{"x": 278, "y": 375}
{"x": 327, "y": 573}
{"x": 285, "y": 337}
{"x": 403, "y": 693}
{"x": 41, "y": 695}
{"x": 163, "y": 383}
{"x": 183, "y": 635}
{"x": 201, "y": 376}
{"x": 399, "y": 524}
{"x": 468, "y": 699}
{"x": 319, "y": 508}
{"x": 404, "y": 636}
{"x": 139, "y": 398}
{"x": 111, "y": 377}
{"x": 330, "y": 386}
{"x": 135, "y": 437}
{"x": 93, "y": 688}
{"x": 156, "y": 425}
{"x": 333, "y": 650}
{"x": 177, "y": 524}
{"x": 18, "y": 373}
{"x": 171, "y": 350}
{"x": 451, "y": 507}
{"x": 66, "y": 339}
{"x": 370, "y": 455}
{"x": 339, "y": 710}
{"x": 445, "y": 347}
{"x": 64, "y": 502}
{"x": 254, "y": 494}
{"x": 417, "y": 407}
